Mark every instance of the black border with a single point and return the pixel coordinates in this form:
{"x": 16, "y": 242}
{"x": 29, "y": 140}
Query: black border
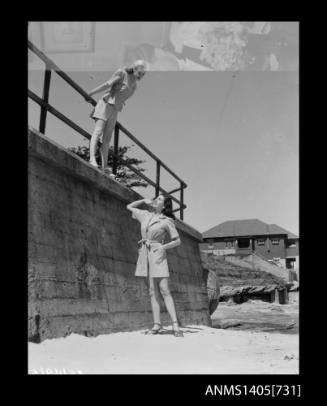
{"x": 191, "y": 387}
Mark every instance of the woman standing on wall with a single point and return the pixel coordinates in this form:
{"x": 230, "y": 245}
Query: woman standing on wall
{"x": 156, "y": 226}
{"x": 118, "y": 89}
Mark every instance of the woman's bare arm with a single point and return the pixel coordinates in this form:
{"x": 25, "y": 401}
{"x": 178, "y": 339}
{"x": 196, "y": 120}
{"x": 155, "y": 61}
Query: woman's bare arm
{"x": 137, "y": 203}
{"x": 98, "y": 89}
{"x": 172, "y": 244}
{"x": 106, "y": 85}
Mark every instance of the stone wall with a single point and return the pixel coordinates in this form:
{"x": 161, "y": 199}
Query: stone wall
{"x": 82, "y": 252}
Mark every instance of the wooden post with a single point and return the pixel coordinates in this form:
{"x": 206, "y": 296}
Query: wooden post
{"x": 276, "y": 296}
{"x": 283, "y": 296}
{"x": 116, "y": 149}
{"x": 46, "y": 90}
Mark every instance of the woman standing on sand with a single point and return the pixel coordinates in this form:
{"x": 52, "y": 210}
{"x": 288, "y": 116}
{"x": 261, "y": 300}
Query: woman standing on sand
{"x": 156, "y": 226}
{"x": 118, "y": 89}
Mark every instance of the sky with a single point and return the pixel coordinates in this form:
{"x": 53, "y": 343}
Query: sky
{"x": 232, "y": 136}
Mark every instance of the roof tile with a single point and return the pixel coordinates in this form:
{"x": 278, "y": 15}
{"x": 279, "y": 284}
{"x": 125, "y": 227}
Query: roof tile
{"x": 239, "y": 228}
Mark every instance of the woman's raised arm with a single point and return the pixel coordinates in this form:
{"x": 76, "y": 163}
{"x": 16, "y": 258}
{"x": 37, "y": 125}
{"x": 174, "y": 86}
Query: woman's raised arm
{"x": 138, "y": 203}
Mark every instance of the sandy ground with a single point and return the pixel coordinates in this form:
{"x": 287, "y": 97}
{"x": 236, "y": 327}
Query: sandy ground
{"x": 262, "y": 338}
{"x": 202, "y": 350}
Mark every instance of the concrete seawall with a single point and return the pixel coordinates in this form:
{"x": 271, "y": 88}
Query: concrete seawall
{"x": 82, "y": 252}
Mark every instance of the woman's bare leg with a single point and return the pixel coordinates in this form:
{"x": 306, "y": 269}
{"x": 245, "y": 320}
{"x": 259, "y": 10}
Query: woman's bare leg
{"x": 108, "y": 130}
{"x": 169, "y": 302}
{"x": 154, "y": 296}
{"x": 97, "y": 133}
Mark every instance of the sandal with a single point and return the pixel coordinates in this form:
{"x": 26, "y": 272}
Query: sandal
{"x": 154, "y": 330}
{"x": 177, "y": 333}
{"x": 93, "y": 163}
{"x": 107, "y": 170}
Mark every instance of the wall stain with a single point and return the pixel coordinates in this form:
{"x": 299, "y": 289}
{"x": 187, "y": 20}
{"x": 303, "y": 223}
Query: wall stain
{"x": 89, "y": 281}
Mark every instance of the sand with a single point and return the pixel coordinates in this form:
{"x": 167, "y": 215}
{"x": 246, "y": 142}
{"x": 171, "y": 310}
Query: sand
{"x": 202, "y": 350}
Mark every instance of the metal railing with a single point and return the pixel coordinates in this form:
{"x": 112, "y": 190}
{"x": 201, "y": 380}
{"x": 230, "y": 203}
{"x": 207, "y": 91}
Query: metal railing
{"x": 46, "y": 107}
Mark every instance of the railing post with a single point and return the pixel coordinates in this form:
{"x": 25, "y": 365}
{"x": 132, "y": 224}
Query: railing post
{"x": 181, "y": 212}
{"x": 46, "y": 89}
{"x": 158, "y": 179}
{"x": 116, "y": 148}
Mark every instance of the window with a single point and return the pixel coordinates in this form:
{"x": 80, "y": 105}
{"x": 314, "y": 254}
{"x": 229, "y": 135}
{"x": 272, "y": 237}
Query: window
{"x": 229, "y": 244}
{"x": 210, "y": 240}
{"x": 261, "y": 242}
{"x": 275, "y": 241}
{"x": 243, "y": 243}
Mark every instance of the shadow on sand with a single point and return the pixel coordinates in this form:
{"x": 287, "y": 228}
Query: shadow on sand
{"x": 184, "y": 329}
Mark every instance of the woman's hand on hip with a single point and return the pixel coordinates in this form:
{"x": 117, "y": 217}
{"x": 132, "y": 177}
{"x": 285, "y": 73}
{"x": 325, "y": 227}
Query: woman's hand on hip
{"x": 161, "y": 248}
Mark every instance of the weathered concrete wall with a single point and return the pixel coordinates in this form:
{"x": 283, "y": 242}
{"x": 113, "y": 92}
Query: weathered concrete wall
{"x": 82, "y": 251}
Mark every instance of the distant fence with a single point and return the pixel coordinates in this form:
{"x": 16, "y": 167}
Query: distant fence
{"x": 45, "y": 107}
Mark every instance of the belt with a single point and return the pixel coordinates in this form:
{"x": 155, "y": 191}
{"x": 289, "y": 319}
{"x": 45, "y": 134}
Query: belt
{"x": 147, "y": 242}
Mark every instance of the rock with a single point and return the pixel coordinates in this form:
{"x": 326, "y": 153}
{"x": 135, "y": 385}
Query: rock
{"x": 294, "y": 287}
{"x": 213, "y": 289}
{"x": 291, "y": 325}
{"x": 289, "y": 357}
{"x": 270, "y": 288}
{"x": 257, "y": 289}
{"x": 276, "y": 308}
{"x": 213, "y": 304}
{"x": 223, "y": 324}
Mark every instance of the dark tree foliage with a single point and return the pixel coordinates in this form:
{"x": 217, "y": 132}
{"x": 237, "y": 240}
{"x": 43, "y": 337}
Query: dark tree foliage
{"x": 124, "y": 175}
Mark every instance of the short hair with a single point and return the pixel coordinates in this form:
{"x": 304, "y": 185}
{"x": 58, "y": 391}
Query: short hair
{"x": 141, "y": 63}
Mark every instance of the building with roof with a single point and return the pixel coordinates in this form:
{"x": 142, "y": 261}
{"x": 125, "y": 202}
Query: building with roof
{"x": 243, "y": 237}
